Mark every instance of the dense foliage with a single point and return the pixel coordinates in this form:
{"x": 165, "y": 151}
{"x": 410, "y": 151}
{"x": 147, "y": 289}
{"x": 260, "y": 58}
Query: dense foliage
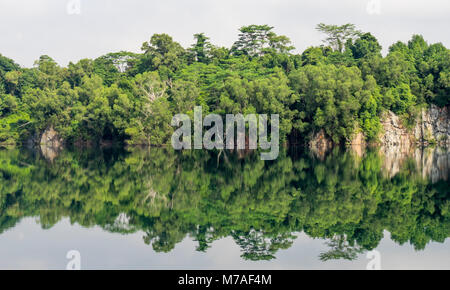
{"x": 340, "y": 87}
{"x": 168, "y": 195}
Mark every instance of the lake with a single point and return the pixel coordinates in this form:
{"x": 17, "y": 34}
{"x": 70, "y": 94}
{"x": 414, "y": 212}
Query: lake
{"x": 161, "y": 209}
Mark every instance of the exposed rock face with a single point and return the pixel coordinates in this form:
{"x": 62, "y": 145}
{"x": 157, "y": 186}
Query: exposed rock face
{"x": 394, "y": 133}
{"x": 320, "y": 144}
{"x": 50, "y": 144}
{"x": 433, "y": 126}
{"x": 358, "y": 139}
{"x": 51, "y": 138}
{"x": 398, "y": 143}
{"x": 358, "y": 144}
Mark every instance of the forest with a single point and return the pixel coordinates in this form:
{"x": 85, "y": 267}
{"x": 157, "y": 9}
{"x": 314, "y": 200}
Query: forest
{"x": 340, "y": 87}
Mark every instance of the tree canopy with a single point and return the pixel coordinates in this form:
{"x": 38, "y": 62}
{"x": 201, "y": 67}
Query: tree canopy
{"x": 340, "y": 88}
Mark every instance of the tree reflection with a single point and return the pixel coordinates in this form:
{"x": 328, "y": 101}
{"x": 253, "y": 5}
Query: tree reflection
{"x": 340, "y": 248}
{"x": 345, "y": 199}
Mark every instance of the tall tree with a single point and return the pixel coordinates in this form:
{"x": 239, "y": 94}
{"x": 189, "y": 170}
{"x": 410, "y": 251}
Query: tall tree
{"x": 337, "y": 35}
{"x": 365, "y": 46}
{"x": 256, "y": 40}
{"x": 162, "y": 53}
{"x": 200, "y": 49}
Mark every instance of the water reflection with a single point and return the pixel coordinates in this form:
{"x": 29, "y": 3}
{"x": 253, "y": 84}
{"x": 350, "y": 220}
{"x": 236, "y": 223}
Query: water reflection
{"x": 347, "y": 198}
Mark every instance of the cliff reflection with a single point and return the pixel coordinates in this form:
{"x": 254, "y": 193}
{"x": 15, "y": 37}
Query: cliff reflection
{"x": 347, "y": 199}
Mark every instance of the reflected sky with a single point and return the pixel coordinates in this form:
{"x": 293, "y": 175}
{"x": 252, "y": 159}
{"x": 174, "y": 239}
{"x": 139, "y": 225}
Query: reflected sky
{"x": 27, "y": 246}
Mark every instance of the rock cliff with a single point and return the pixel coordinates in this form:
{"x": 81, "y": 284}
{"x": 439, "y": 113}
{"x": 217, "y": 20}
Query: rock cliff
{"x": 432, "y": 127}
{"x": 50, "y": 143}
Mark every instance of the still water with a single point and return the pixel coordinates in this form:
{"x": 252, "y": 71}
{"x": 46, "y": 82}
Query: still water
{"x": 160, "y": 209}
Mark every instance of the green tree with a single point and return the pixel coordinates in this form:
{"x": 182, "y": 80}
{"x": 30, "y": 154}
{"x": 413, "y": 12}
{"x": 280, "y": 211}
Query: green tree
{"x": 256, "y": 40}
{"x": 337, "y": 35}
{"x": 163, "y": 54}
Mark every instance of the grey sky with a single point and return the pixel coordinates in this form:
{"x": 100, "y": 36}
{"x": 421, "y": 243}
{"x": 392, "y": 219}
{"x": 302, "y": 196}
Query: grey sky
{"x": 30, "y": 28}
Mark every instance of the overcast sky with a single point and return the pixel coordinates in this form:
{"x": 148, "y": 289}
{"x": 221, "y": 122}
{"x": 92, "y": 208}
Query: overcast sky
{"x": 30, "y": 28}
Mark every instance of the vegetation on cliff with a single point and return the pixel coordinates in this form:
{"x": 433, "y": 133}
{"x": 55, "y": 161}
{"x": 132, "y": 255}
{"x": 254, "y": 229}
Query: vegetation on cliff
{"x": 339, "y": 86}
